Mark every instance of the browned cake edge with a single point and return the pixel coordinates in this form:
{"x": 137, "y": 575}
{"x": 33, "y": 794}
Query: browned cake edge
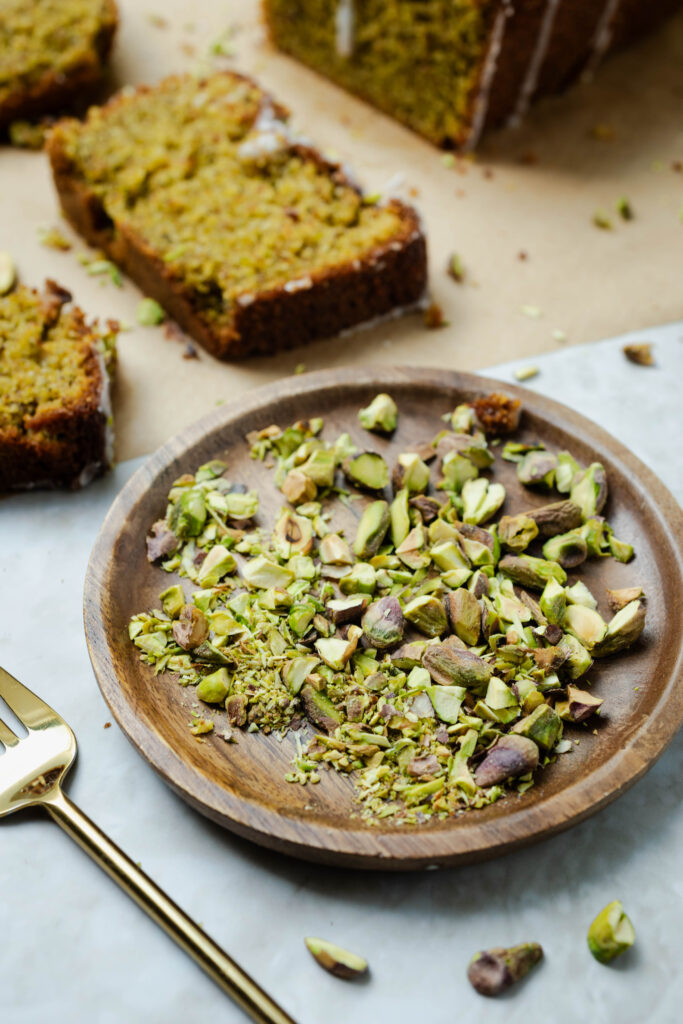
{"x": 79, "y": 449}
{"x": 55, "y": 91}
{"x": 387, "y": 279}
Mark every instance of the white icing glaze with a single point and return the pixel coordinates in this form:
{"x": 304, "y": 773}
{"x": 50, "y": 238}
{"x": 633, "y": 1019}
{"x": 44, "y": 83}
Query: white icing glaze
{"x": 535, "y": 64}
{"x": 344, "y": 25}
{"x": 603, "y": 36}
{"x": 488, "y": 74}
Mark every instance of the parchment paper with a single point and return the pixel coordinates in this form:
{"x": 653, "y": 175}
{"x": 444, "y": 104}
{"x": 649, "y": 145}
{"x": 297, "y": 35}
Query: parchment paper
{"x": 533, "y": 191}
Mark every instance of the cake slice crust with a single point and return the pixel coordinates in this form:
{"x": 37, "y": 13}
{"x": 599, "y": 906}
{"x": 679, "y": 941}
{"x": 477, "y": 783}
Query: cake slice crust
{"x": 55, "y": 411}
{"x": 246, "y": 234}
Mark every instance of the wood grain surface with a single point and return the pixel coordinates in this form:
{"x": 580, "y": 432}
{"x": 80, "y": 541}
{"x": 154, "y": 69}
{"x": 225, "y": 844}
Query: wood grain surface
{"x": 242, "y": 785}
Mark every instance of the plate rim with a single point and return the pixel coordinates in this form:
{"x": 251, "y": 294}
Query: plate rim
{"x": 304, "y": 838}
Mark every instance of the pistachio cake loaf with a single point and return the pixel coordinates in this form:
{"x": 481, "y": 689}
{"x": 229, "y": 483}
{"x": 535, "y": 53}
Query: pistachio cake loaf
{"x": 51, "y": 52}
{"x": 450, "y": 69}
{"x": 55, "y": 413}
{"x": 245, "y": 234}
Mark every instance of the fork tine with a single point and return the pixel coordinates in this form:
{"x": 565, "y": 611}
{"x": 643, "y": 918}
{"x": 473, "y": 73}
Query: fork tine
{"x": 7, "y": 736}
{"x": 29, "y": 709}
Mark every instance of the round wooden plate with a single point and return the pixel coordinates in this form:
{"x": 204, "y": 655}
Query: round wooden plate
{"x": 242, "y": 785}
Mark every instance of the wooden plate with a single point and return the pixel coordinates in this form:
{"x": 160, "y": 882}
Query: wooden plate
{"x": 242, "y": 785}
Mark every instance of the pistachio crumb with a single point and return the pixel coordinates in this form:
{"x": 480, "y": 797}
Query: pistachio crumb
{"x": 602, "y": 221}
{"x": 526, "y": 372}
{"x": 149, "y": 313}
{"x": 640, "y": 353}
{"x": 533, "y": 312}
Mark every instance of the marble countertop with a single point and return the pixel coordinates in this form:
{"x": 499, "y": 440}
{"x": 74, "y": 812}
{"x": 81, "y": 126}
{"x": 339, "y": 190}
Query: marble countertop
{"x": 75, "y": 949}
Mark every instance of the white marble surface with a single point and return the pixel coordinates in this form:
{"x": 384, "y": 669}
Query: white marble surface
{"x": 75, "y": 950}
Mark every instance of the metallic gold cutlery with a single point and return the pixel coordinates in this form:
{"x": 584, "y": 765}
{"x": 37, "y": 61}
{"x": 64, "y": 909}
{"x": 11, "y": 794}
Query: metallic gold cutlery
{"x": 31, "y": 772}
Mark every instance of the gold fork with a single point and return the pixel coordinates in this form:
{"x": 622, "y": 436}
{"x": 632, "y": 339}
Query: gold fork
{"x": 31, "y": 773}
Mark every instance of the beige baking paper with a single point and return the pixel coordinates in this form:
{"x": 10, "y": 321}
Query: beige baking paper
{"x": 533, "y": 191}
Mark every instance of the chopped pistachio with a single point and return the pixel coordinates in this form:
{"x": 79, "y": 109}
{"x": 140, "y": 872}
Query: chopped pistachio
{"x": 543, "y": 726}
{"x": 526, "y": 373}
{"x": 361, "y": 580}
{"x": 464, "y": 615}
{"x": 455, "y": 268}
{"x": 427, "y": 614}
{"x": 333, "y": 550}
{"x": 293, "y": 534}
{"x": 399, "y": 517}
{"x": 336, "y": 960}
{"x": 190, "y": 628}
{"x": 494, "y": 970}
{"x": 214, "y": 688}
{"x": 296, "y": 671}
{"x": 336, "y": 652}
{"x": 172, "y": 600}
{"x": 372, "y": 529}
{"x": 7, "y": 273}
{"x": 531, "y": 572}
{"x": 381, "y": 415}
{"x": 149, "y": 313}
{"x": 589, "y": 490}
{"x": 618, "y": 599}
{"x": 537, "y": 469}
{"x": 320, "y": 708}
{"x": 585, "y": 624}
{"x": 481, "y": 500}
{"x": 410, "y": 473}
{"x": 581, "y": 704}
{"x": 319, "y": 467}
{"x": 263, "y": 572}
{"x": 611, "y": 933}
{"x": 217, "y": 564}
{"x": 640, "y": 353}
{"x": 622, "y": 631}
{"x": 568, "y": 549}
{"x": 457, "y": 469}
{"x": 517, "y": 532}
{"x": 298, "y": 488}
{"x": 367, "y": 470}
{"x": 347, "y": 609}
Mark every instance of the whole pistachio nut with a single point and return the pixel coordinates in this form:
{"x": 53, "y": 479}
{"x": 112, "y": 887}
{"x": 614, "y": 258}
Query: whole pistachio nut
{"x": 557, "y": 517}
{"x": 452, "y": 667}
{"x": 611, "y": 933}
{"x": 567, "y": 549}
{"x": 464, "y": 615}
{"x": 367, "y": 470}
{"x": 494, "y": 970}
{"x": 531, "y": 572}
{"x": 427, "y": 614}
{"x": 517, "y": 532}
{"x": 622, "y": 631}
{"x": 543, "y": 726}
{"x": 190, "y": 628}
{"x": 537, "y": 469}
{"x": 589, "y": 490}
{"x": 383, "y": 623}
{"x": 381, "y": 415}
{"x": 336, "y": 960}
{"x": 372, "y": 529}
{"x": 319, "y": 708}
{"x": 509, "y": 757}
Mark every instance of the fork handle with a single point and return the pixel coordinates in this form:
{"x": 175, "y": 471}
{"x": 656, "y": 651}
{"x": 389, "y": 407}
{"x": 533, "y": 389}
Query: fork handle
{"x": 217, "y": 964}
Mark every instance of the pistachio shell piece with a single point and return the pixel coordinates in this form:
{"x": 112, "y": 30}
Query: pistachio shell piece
{"x": 509, "y": 757}
{"x": 493, "y": 970}
{"x": 340, "y": 962}
{"x": 611, "y": 933}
